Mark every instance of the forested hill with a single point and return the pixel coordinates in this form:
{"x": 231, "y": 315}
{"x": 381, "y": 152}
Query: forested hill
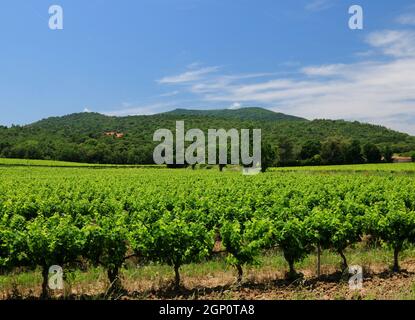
{"x": 250, "y": 114}
{"x": 96, "y": 138}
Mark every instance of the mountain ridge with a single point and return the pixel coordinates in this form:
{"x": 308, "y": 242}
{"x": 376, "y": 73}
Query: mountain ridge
{"x": 246, "y": 113}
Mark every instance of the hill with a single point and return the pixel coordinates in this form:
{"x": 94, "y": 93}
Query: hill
{"x": 256, "y": 114}
{"x": 97, "y": 138}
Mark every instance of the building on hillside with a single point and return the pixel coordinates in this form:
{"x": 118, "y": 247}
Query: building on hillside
{"x": 399, "y": 159}
{"x": 115, "y": 134}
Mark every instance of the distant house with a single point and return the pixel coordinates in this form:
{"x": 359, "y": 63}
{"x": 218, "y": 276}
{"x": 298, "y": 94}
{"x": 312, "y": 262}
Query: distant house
{"x": 115, "y": 134}
{"x": 398, "y": 159}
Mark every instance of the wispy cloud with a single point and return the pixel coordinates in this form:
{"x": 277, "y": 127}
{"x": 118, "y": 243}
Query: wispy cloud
{"x": 397, "y": 43}
{"x": 188, "y": 76}
{"x": 380, "y": 88}
{"x": 319, "y": 5}
{"x": 235, "y": 106}
{"x": 407, "y": 18}
{"x": 324, "y": 70}
{"x": 170, "y": 94}
{"x": 128, "y": 110}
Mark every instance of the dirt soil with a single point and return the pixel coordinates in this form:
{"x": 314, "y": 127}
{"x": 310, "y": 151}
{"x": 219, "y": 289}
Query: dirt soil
{"x": 378, "y": 283}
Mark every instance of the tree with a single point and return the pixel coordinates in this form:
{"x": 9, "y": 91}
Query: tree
{"x": 293, "y": 237}
{"x": 332, "y": 151}
{"x": 28, "y": 149}
{"x": 285, "y": 151}
{"x": 387, "y": 154}
{"x": 52, "y": 241}
{"x": 4, "y": 147}
{"x": 12, "y": 241}
{"x": 372, "y": 153}
{"x": 310, "y": 149}
{"x": 68, "y": 152}
{"x": 268, "y": 156}
{"x": 334, "y": 229}
{"x": 106, "y": 244}
{"x": 243, "y": 240}
{"x": 173, "y": 238}
{"x": 353, "y": 152}
{"x": 395, "y": 226}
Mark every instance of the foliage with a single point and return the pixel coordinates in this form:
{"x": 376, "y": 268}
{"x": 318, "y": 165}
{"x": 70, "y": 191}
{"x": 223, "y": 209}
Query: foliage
{"x": 372, "y": 153}
{"x": 332, "y": 151}
{"x": 387, "y": 154}
{"x": 104, "y": 216}
{"x": 269, "y": 156}
{"x": 174, "y": 239}
{"x": 243, "y": 241}
{"x": 310, "y": 149}
{"x": 106, "y": 243}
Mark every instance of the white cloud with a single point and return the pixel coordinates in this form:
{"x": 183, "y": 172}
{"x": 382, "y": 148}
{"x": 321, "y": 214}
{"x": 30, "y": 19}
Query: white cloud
{"x": 319, "y": 5}
{"x": 235, "y": 106}
{"x": 407, "y": 19}
{"x": 373, "y": 92}
{"x": 137, "y": 110}
{"x": 170, "y": 94}
{"x": 325, "y": 70}
{"x": 394, "y": 43}
{"x": 379, "y": 89}
{"x": 188, "y": 76}
{"x": 194, "y": 65}
{"x": 86, "y": 110}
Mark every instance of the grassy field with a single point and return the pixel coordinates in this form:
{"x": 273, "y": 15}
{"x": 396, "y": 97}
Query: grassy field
{"x": 52, "y": 163}
{"x": 380, "y": 167}
{"x": 46, "y": 163}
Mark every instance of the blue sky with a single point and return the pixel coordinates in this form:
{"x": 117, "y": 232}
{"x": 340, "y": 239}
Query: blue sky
{"x": 148, "y": 56}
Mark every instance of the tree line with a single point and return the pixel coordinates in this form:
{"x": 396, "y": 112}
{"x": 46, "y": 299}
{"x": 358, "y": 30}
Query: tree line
{"x": 333, "y": 151}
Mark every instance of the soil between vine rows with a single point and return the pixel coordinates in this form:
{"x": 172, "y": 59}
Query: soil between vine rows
{"x": 261, "y": 284}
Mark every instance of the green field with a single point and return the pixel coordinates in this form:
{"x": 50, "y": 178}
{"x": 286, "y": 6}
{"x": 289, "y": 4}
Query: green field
{"x": 45, "y": 163}
{"x": 53, "y": 163}
{"x": 136, "y": 229}
{"x": 380, "y": 167}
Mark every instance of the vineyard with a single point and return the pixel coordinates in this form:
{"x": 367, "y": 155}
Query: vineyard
{"x": 85, "y": 217}
{"x": 408, "y": 167}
